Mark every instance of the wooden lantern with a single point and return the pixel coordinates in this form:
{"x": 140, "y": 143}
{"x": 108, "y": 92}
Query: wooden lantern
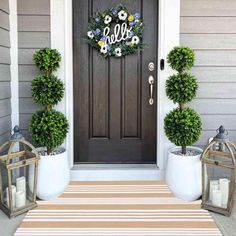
{"x": 218, "y": 174}
{"x": 18, "y": 175}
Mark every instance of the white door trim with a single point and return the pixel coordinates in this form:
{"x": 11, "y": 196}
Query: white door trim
{"x": 61, "y": 38}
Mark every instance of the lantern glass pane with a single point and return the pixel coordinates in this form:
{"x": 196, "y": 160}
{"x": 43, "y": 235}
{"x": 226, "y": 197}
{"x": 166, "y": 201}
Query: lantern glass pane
{"x": 217, "y": 184}
{"x": 23, "y": 179}
{"x": 4, "y": 186}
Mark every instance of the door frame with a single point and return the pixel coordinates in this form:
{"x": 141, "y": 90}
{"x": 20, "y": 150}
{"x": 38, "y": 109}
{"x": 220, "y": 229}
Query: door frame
{"x": 62, "y": 39}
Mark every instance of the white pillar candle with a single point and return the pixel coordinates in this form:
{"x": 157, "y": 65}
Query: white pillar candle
{"x": 217, "y": 198}
{"x": 214, "y": 185}
{"x": 20, "y": 184}
{"x": 224, "y": 188}
{"x": 20, "y": 199}
{"x": 13, "y": 189}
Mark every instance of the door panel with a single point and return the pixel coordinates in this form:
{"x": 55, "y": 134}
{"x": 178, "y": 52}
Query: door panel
{"x": 113, "y": 121}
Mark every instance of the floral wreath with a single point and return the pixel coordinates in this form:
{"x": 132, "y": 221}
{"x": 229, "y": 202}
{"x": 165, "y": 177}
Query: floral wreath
{"x": 127, "y": 34}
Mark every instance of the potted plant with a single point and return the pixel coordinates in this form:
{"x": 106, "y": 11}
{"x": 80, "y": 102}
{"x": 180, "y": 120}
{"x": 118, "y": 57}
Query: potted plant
{"x": 49, "y": 127}
{"x": 183, "y": 128}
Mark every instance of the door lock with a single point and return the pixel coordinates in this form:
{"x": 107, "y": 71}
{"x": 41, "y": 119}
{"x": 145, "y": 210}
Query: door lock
{"x": 151, "y": 66}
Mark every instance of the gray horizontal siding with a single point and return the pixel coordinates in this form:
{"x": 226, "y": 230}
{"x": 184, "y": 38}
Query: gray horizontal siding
{"x": 5, "y": 73}
{"x": 28, "y": 72}
{"x": 4, "y": 20}
{"x": 27, "y": 106}
{"x": 5, "y": 77}
{"x": 29, "y": 7}
{"x": 209, "y": 27}
{"x": 214, "y": 106}
{"x": 208, "y": 8}
{"x": 33, "y": 34}
{"x": 4, "y": 137}
{"x": 5, "y": 107}
{"x": 212, "y": 74}
{"x": 33, "y": 39}
{"x": 5, "y": 90}
{"x": 25, "y": 90}
{"x": 25, "y": 119}
{"x": 212, "y": 122}
{"x": 4, "y": 38}
{"x": 31, "y": 23}
{"x": 217, "y": 90}
{"x": 5, "y": 123}
{"x": 5, "y": 55}
{"x": 215, "y": 57}
{"x": 26, "y": 56}
{"x": 209, "y": 41}
{"x": 4, "y": 5}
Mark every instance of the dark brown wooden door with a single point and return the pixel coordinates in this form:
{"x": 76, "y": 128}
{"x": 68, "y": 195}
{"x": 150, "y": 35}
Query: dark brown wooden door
{"x": 113, "y": 121}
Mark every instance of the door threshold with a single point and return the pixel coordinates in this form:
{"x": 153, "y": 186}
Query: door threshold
{"x": 110, "y": 172}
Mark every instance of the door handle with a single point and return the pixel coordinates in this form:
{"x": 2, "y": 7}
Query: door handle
{"x": 151, "y": 87}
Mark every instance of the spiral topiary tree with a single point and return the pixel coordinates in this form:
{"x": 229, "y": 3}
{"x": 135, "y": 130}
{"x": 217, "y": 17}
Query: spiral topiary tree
{"x": 48, "y": 127}
{"x": 182, "y": 125}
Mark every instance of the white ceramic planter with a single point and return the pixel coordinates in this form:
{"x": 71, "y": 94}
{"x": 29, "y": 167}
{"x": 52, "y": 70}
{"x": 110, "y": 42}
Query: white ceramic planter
{"x": 53, "y": 176}
{"x": 184, "y": 175}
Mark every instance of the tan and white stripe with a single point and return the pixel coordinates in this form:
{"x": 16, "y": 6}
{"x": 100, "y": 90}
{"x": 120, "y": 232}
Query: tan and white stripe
{"x": 121, "y": 208}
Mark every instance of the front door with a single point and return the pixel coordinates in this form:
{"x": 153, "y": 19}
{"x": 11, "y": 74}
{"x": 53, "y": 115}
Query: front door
{"x": 113, "y": 119}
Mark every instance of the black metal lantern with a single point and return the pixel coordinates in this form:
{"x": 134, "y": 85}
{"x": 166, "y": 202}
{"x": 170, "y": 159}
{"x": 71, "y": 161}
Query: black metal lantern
{"x": 218, "y": 174}
{"x": 18, "y": 175}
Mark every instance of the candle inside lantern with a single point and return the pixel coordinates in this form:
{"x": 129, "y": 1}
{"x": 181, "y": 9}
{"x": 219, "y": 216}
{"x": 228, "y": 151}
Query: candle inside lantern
{"x": 20, "y": 199}
{"x": 224, "y": 188}
{"x": 214, "y": 185}
{"x": 13, "y": 189}
{"x": 20, "y": 184}
{"x": 216, "y": 198}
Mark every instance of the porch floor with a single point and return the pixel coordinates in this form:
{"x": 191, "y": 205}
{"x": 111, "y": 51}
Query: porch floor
{"x": 226, "y": 224}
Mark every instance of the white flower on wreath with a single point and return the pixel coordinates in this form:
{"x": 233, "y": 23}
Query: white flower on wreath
{"x": 90, "y": 34}
{"x": 118, "y": 52}
{"x": 107, "y": 19}
{"x": 135, "y": 40}
{"x": 103, "y": 49}
{"x": 122, "y": 15}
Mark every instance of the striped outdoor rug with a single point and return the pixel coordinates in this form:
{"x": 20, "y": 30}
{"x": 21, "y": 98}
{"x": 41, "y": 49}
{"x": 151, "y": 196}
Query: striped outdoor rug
{"x": 121, "y": 208}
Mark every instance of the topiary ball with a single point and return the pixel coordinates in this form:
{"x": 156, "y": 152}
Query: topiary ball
{"x": 47, "y": 90}
{"x": 47, "y": 59}
{"x": 181, "y": 58}
{"x": 49, "y": 128}
{"x": 181, "y": 88}
{"x": 183, "y": 128}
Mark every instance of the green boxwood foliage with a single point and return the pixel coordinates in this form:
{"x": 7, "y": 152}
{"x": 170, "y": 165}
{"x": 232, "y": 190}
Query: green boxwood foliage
{"x": 182, "y": 125}
{"x": 181, "y": 88}
{"x": 183, "y": 128}
{"x": 47, "y": 91}
{"x": 47, "y": 59}
{"x": 181, "y": 58}
{"x": 49, "y": 128}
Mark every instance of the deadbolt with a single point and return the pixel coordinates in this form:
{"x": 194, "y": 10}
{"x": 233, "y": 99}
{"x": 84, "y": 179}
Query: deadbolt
{"x": 151, "y": 66}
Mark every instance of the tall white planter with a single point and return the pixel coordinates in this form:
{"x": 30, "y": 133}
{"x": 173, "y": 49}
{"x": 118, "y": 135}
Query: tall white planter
{"x": 184, "y": 175}
{"x": 53, "y": 176}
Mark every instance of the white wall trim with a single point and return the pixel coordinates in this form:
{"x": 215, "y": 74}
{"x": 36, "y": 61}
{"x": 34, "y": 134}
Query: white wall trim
{"x": 14, "y": 63}
{"x": 169, "y": 31}
{"x": 61, "y": 38}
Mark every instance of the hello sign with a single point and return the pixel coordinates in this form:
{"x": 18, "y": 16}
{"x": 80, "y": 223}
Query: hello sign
{"x": 121, "y": 32}
{"x": 126, "y": 37}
